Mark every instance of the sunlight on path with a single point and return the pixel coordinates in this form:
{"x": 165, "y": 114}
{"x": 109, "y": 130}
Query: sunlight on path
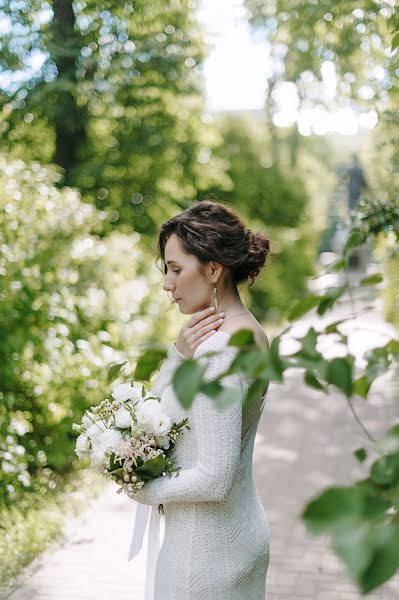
{"x": 92, "y": 562}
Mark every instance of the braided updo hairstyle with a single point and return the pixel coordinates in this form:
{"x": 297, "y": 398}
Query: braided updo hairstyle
{"x": 213, "y": 231}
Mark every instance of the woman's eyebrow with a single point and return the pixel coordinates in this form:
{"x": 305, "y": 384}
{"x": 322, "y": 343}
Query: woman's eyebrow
{"x": 171, "y": 261}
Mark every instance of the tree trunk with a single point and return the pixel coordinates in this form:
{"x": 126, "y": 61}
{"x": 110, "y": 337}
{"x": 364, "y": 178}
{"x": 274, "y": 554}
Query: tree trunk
{"x": 70, "y": 120}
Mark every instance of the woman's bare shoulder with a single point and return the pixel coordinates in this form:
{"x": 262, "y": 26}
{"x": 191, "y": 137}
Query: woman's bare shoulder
{"x": 247, "y": 322}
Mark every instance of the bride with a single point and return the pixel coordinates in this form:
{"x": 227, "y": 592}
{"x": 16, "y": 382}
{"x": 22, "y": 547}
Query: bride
{"x": 216, "y": 541}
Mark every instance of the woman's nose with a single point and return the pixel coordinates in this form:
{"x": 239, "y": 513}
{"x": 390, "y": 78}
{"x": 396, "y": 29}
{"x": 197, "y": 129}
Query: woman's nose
{"x": 167, "y": 286}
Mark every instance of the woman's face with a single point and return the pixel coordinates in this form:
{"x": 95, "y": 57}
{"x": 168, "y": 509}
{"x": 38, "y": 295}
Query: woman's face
{"x": 190, "y": 289}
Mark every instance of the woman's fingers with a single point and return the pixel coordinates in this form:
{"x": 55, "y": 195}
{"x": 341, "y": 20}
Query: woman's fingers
{"x": 201, "y": 315}
{"x": 200, "y": 326}
{"x": 206, "y": 322}
{"x": 204, "y": 329}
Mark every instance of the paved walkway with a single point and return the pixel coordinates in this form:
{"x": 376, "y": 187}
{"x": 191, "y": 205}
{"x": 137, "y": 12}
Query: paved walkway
{"x": 304, "y": 443}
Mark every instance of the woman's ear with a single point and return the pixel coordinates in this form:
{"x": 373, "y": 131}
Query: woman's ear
{"x": 216, "y": 270}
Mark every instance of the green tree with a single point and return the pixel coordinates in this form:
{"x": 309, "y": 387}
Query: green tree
{"x": 274, "y": 199}
{"x": 71, "y": 303}
{"x": 117, "y": 101}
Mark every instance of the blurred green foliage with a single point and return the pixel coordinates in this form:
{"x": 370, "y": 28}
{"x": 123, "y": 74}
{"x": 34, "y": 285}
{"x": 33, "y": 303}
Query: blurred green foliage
{"x": 354, "y": 48}
{"x": 274, "y": 198}
{"x": 71, "y": 303}
{"x": 354, "y": 37}
{"x": 117, "y": 103}
{"x": 113, "y": 95}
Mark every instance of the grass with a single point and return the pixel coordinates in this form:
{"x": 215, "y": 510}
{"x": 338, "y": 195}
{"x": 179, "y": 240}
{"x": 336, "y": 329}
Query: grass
{"x": 27, "y": 530}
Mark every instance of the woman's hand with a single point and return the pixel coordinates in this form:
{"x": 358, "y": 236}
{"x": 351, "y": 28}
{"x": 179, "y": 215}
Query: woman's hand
{"x": 201, "y": 326}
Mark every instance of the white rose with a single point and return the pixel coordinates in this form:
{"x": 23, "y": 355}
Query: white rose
{"x": 99, "y": 462}
{"x": 108, "y": 440}
{"x": 82, "y": 448}
{"x": 163, "y": 441}
{"x": 151, "y": 418}
{"x": 123, "y": 418}
{"x": 126, "y": 391}
{"x": 163, "y": 426}
{"x": 96, "y": 429}
{"x": 148, "y": 414}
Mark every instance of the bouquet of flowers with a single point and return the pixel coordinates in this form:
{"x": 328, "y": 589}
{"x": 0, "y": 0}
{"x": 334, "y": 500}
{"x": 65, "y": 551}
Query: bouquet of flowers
{"x": 129, "y": 439}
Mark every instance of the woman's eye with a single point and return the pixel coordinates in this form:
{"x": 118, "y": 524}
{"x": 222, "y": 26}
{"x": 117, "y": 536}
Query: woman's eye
{"x": 176, "y": 271}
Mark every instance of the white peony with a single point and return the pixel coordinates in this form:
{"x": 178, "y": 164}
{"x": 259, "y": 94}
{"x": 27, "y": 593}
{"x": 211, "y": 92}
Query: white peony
{"x": 151, "y": 418}
{"x": 82, "y": 448}
{"x": 123, "y": 418}
{"x": 126, "y": 391}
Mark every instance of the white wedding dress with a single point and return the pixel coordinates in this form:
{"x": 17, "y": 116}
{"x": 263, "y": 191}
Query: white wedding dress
{"x": 216, "y": 541}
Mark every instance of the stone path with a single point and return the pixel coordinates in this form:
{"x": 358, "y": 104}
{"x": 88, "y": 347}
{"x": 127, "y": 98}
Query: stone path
{"x": 304, "y": 443}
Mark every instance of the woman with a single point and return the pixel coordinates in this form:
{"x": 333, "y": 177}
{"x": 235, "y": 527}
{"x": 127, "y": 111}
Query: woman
{"x": 216, "y": 542}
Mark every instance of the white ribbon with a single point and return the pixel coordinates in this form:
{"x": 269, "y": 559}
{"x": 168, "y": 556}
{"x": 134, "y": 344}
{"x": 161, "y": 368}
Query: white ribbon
{"x": 154, "y": 543}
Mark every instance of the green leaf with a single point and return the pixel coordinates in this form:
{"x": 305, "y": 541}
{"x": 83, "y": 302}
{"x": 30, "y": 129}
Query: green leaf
{"x": 360, "y": 454}
{"x": 355, "y": 238}
{"x": 113, "y": 464}
{"x": 372, "y": 279}
{"x": 395, "y": 41}
{"x": 303, "y": 306}
{"x": 338, "y": 265}
{"x": 330, "y": 297}
{"x": 277, "y": 362}
{"x": 339, "y": 373}
{"x": 147, "y": 363}
{"x": 393, "y": 348}
{"x": 385, "y": 561}
{"x": 351, "y": 541}
{"x": 187, "y": 380}
{"x": 253, "y": 392}
{"x": 153, "y": 467}
{"x": 378, "y": 362}
{"x": 211, "y": 388}
{"x": 119, "y": 471}
{"x": 229, "y": 396}
{"x": 332, "y": 506}
{"x": 113, "y": 370}
{"x": 361, "y": 386}
{"x": 389, "y": 442}
{"x": 313, "y": 382}
{"x": 309, "y": 342}
{"x": 250, "y": 363}
{"x": 272, "y": 366}
{"x": 242, "y": 337}
{"x": 332, "y": 327}
{"x": 385, "y": 470}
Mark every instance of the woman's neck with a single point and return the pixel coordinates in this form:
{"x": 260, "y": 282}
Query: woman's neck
{"x": 230, "y": 304}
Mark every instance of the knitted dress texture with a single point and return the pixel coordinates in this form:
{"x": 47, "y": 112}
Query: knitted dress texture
{"x": 216, "y": 540}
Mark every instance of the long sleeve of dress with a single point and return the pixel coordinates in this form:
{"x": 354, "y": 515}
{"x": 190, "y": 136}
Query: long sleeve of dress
{"x": 217, "y": 434}
{"x": 169, "y": 366}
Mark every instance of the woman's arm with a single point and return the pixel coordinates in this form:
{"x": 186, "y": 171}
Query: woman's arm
{"x": 217, "y": 434}
{"x": 166, "y": 372}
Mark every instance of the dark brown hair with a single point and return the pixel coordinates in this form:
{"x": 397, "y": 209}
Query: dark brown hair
{"x": 213, "y": 231}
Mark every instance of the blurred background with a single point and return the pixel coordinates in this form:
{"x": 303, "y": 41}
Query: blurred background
{"x": 115, "y": 116}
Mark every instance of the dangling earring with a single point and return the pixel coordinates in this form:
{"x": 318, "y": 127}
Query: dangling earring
{"x": 215, "y": 296}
